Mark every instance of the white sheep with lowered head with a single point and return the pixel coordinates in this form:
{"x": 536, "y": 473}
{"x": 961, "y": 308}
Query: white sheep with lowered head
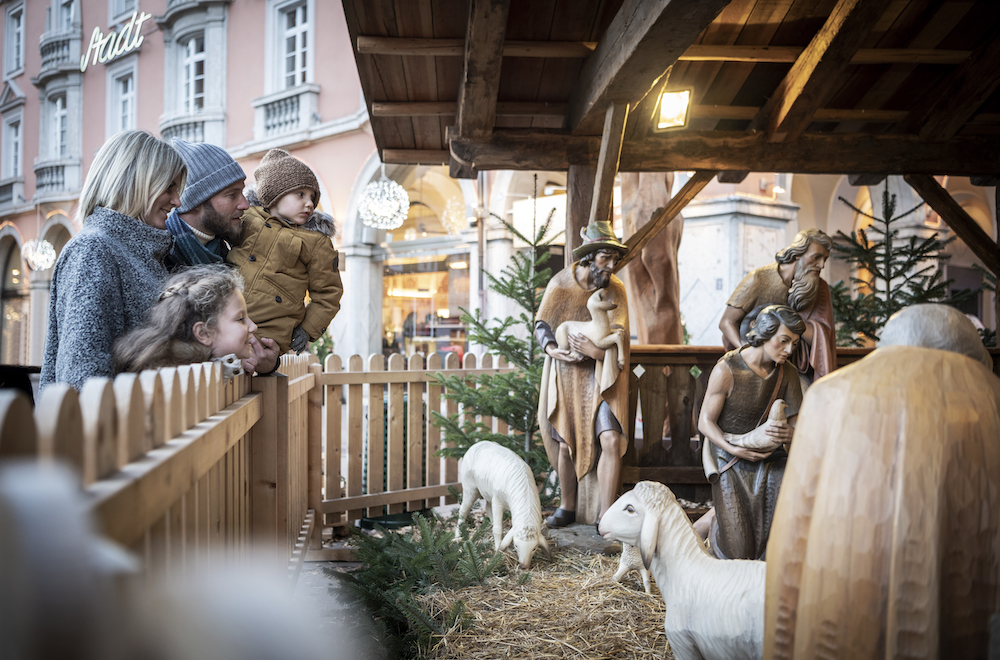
{"x": 507, "y": 484}
{"x": 715, "y": 608}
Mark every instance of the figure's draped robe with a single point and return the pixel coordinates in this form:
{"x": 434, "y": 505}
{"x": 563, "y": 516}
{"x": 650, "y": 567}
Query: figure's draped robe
{"x": 764, "y": 286}
{"x": 886, "y": 538}
{"x": 746, "y": 494}
{"x": 570, "y": 393}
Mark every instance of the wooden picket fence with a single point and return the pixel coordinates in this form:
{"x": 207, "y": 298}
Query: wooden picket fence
{"x": 388, "y": 437}
{"x": 181, "y": 465}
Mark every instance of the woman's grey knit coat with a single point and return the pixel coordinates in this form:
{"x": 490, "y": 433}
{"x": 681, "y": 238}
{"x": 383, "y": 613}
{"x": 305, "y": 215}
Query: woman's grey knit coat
{"x": 106, "y": 279}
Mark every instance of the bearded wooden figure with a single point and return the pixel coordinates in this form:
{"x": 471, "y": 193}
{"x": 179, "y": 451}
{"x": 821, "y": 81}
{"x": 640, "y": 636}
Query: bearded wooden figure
{"x": 793, "y": 280}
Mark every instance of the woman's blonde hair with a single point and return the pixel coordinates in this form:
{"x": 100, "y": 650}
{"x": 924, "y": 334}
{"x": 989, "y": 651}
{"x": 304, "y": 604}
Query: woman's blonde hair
{"x": 130, "y": 171}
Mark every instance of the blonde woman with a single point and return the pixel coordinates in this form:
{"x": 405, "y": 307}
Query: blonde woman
{"x": 111, "y": 273}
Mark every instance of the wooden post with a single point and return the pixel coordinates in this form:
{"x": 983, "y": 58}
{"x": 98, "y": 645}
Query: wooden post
{"x": 579, "y": 199}
{"x": 414, "y": 432}
{"x": 376, "y": 434}
{"x": 334, "y": 413}
{"x": 607, "y": 162}
{"x": 315, "y": 452}
{"x": 268, "y": 440}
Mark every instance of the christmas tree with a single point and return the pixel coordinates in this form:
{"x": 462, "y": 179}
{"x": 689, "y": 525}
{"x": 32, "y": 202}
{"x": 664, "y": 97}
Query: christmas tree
{"x": 900, "y": 272}
{"x": 510, "y": 397}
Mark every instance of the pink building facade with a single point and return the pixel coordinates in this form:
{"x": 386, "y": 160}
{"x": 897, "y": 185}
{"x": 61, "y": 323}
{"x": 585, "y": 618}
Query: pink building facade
{"x": 248, "y": 76}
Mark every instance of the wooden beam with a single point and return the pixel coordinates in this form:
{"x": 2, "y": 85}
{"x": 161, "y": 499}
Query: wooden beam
{"x": 415, "y": 156}
{"x": 737, "y": 150}
{"x": 663, "y": 216}
{"x": 579, "y": 199}
{"x": 456, "y": 47}
{"x": 450, "y": 108}
{"x": 642, "y": 41}
{"x": 607, "y": 162}
{"x": 947, "y": 107}
{"x": 789, "y": 54}
{"x": 402, "y": 46}
{"x": 816, "y": 74}
{"x": 477, "y": 93}
{"x": 733, "y": 177}
{"x": 865, "y": 179}
{"x": 955, "y": 216}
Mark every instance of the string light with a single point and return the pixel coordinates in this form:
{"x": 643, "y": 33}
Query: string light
{"x": 384, "y": 204}
{"x": 39, "y": 254}
{"x": 454, "y": 219}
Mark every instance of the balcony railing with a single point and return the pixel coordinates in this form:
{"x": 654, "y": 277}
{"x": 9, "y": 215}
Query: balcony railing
{"x": 60, "y": 53}
{"x": 189, "y": 131}
{"x": 50, "y": 178}
{"x": 286, "y": 112}
{"x": 55, "y": 52}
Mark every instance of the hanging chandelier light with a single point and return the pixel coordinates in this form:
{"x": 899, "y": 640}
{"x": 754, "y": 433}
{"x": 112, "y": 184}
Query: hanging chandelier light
{"x": 454, "y": 219}
{"x": 384, "y": 204}
{"x": 39, "y": 254}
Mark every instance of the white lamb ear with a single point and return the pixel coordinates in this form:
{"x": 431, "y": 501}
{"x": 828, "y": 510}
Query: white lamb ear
{"x": 545, "y": 546}
{"x": 648, "y": 536}
{"x": 507, "y": 539}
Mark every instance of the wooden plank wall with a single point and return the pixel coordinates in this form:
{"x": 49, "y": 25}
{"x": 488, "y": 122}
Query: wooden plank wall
{"x": 389, "y": 438}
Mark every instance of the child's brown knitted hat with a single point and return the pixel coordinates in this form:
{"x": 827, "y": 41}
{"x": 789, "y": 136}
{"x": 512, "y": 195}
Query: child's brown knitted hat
{"x": 279, "y": 173}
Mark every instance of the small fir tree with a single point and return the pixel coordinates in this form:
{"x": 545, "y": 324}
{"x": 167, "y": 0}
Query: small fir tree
{"x": 903, "y": 272}
{"x": 510, "y": 397}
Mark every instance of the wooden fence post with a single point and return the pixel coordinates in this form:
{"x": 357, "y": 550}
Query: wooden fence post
{"x": 59, "y": 424}
{"x": 415, "y": 432}
{"x": 314, "y": 459}
{"x": 376, "y": 433}
{"x": 333, "y": 437}
{"x": 433, "y": 430}
{"x": 396, "y": 424}
{"x": 100, "y": 429}
{"x": 355, "y": 434}
{"x": 269, "y": 439}
{"x": 451, "y": 363}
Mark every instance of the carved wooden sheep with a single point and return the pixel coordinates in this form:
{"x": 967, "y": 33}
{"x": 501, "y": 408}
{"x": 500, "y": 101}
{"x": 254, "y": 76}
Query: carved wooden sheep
{"x": 715, "y": 608}
{"x": 507, "y": 484}
{"x": 598, "y": 329}
{"x": 631, "y": 560}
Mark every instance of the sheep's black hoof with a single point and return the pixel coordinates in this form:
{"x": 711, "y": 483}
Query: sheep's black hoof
{"x": 561, "y": 518}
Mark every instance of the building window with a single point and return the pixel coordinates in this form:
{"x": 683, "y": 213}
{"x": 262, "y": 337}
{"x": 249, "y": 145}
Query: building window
{"x": 14, "y": 39}
{"x": 13, "y": 307}
{"x": 59, "y": 118}
{"x": 10, "y": 168}
{"x": 193, "y": 75}
{"x": 122, "y": 7}
{"x": 295, "y": 45}
{"x": 66, "y": 15}
{"x": 124, "y": 105}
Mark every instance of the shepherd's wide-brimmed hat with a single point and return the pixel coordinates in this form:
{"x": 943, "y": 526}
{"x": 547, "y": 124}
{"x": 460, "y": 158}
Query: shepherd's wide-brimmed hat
{"x": 598, "y": 236}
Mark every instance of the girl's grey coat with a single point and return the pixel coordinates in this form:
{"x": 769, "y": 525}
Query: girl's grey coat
{"x": 106, "y": 279}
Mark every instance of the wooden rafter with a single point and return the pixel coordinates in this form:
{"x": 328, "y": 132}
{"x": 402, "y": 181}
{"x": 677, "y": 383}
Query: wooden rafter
{"x": 643, "y": 39}
{"x": 477, "y": 93}
{"x": 664, "y": 216}
{"x": 450, "y": 108}
{"x": 955, "y": 216}
{"x": 816, "y": 73}
{"x": 949, "y": 105}
{"x": 721, "y": 150}
{"x": 607, "y": 162}
{"x": 371, "y": 45}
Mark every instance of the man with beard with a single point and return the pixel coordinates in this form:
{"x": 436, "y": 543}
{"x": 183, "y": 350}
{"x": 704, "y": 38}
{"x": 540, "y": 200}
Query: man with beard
{"x": 793, "y": 280}
{"x": 583, "y": 394}
{"x": 207, "y": 224}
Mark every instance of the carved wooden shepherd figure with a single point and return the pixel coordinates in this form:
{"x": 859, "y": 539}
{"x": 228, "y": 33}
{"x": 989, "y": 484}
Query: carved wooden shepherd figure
{"x": 583, "y": 400}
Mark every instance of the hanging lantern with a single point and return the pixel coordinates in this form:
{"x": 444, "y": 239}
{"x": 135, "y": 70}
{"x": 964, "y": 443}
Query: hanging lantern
{"x": 454, "y": 219}
{"x": 39, "y": 254}
{"x": 384, "y": 204}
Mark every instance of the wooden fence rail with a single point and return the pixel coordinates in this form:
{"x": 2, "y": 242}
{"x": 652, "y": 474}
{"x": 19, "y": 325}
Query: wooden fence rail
{"x": 382, "y": 459}
{"x": 180, "y": 464}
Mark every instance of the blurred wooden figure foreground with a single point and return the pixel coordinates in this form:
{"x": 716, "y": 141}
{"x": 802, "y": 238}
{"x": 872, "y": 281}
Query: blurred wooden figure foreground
{"x": 887, "y": 530}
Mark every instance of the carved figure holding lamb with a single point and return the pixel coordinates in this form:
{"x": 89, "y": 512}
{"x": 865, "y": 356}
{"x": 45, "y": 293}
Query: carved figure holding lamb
{"x": 598, "y": 329}
{"x": 507, "y": 484}
{"x": 715, "y": 607}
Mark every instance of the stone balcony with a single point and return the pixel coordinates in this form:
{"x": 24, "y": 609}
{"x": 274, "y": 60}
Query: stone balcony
{"x": 286, "y": 112}
{"x": 56, "y": 178}
{"x": 60, "y": 53}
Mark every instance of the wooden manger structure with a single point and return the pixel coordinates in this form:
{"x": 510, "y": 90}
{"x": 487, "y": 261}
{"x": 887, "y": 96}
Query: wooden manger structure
{"x": 866, "y": 88}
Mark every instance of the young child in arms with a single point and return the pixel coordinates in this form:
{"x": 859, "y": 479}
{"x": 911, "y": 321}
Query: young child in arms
{"x": 281, "y": 257}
